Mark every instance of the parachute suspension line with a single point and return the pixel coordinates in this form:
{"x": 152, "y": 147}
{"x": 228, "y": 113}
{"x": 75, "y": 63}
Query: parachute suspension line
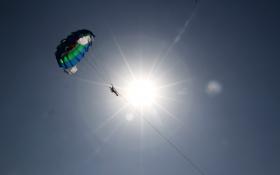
{"x": 104, "y": 70}
{"x": 175, "y": 147}
{"x": 100, "y": 75}
{"x": 78, "y": 78}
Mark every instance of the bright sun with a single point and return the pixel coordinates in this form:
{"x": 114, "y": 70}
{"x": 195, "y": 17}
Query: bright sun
{"x": 141, "y": 93}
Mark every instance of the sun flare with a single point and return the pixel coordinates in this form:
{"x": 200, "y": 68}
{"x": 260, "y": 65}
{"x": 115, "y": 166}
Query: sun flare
{"x": 141, "y": 93}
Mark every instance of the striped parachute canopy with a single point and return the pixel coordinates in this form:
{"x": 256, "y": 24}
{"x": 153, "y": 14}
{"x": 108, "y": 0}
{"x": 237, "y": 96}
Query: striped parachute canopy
{"x": 73, "y": 49}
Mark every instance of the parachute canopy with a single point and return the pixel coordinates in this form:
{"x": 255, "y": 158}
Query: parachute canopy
{"x": 73, "y": 49}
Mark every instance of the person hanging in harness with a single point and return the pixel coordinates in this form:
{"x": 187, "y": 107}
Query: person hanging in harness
{"x": 114, "y": 90}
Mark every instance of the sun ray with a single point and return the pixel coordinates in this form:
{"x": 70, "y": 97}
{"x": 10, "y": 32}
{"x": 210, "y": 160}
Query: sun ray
{"x": 111, "y": 117}
{"x": 113, "y": 131}
{"x": 168, "y": 113}
{"x": 160, "y": 59}
{"x": 172, "y": 84}
{"x": 170, "y": 69}
{"x": 97, "y": 149}
{"x": 151, "y": 71}
{"x": 168, "y": 98}
{"x": 124, "y": 58}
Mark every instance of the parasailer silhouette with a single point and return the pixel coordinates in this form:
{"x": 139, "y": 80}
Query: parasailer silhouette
{"x": 114, "y": 90}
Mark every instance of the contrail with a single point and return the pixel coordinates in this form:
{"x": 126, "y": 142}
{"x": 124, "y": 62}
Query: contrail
{"x": 187, "y": 22}
{"x": 176, "y": 39}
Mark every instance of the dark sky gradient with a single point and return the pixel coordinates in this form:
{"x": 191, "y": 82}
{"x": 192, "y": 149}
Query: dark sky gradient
{"x": 49, "y": 121}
